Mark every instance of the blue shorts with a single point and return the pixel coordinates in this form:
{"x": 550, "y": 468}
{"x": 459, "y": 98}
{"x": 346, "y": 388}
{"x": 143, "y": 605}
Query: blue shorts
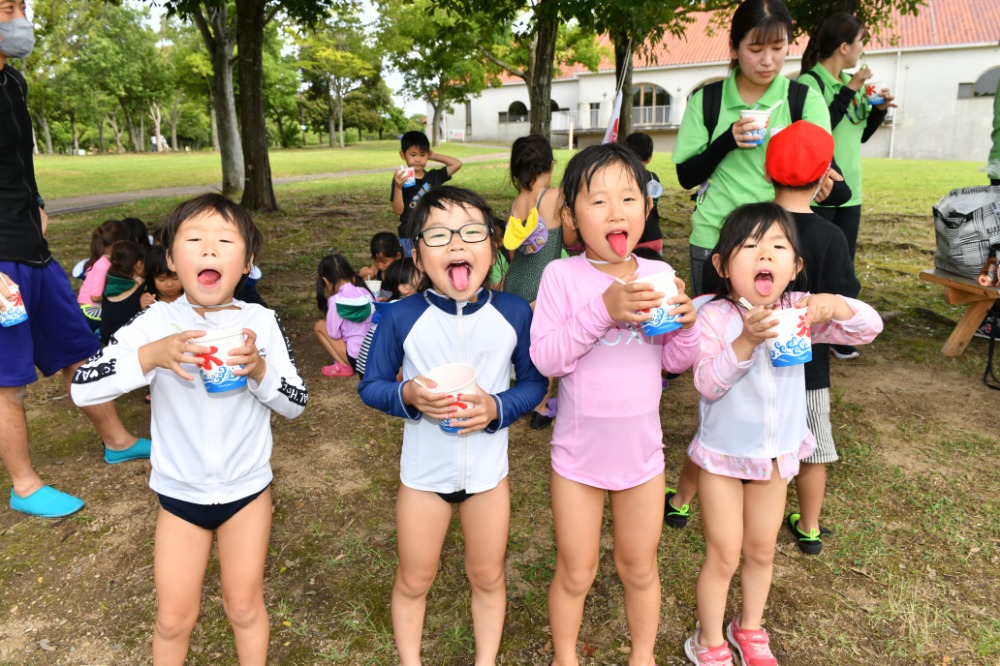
{"x": 206, "y": 516}
{"x": 56, "y": 334}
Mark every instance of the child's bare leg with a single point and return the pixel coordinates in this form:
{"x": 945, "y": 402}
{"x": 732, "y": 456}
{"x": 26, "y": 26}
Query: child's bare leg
{"x": 577, "y": 511}
{"x": 485, "y": 527}
{"x": 180, "y": 555}
{"x": 337, "y": 349}
{"x": 721, "y": 499}
{"x": 810, "y": 485}
{"x": 687, "y": 486}
{"x": 422, "y": 520}
{"x": 763, "y": 510}
{"x": 243, "y": 543}
{"x": 638, "y": 521}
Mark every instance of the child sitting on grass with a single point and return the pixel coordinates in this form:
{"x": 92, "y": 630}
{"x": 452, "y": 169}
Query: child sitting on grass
{"x": 342, "y": 295}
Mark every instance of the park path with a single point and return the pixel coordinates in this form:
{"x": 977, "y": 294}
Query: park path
{"x": 56, "y": 207}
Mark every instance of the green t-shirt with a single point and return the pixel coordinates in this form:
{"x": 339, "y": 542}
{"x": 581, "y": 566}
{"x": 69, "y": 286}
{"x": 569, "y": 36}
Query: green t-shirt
{"x": 993, "y": 166}
{"x": 739, "y": 177}
{"x": 847, "y": 133}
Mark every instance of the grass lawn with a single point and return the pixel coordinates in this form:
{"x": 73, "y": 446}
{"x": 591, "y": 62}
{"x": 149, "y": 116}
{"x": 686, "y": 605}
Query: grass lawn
{"x": 911, "y": 576}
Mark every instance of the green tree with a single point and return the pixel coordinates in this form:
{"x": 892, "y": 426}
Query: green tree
{"x": 369, "y": 107}
{"x": 436, "y": 52}
{"x": 335, "y": 60}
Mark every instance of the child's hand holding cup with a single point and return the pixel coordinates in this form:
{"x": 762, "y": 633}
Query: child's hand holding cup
{"x": 407, "y": 175}
{"x": 215, "y": 373}
{"x": 452, "y": 380}
{"x": 12, "y": 310}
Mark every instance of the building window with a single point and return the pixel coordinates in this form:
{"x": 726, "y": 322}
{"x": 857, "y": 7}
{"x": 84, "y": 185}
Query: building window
{"x": 650, "y": 105}
{"x": 986, "y": 85}
{"x": 468, "y": 118}
{"x": 965, "y": 90}
{"x": 595, "y": 114}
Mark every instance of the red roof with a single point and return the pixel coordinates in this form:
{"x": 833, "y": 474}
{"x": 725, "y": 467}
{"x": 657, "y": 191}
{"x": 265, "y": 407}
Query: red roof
{"x": 939, "y": 23}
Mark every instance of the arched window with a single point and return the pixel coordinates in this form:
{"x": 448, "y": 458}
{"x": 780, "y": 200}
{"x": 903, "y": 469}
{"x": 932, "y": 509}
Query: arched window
{"x": 553, "y": 105}
{"x": 985, "y": 85}
{"x": 517, "y": 112}
{"x": 650, "y": 105}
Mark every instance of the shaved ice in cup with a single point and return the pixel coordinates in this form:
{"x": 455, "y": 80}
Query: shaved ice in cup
{"x": 14, "y": 311}
{"x": 409, "y": 174}
{"x": 793, "y": 346}
{"x": 761, "y": 120}
{"x": 455, "y": 379}
{"x": 873, "y": 93}
{"x": 374, "y": 286}
{"x": 663, "y": 320}
{"x": 217, "y": 376}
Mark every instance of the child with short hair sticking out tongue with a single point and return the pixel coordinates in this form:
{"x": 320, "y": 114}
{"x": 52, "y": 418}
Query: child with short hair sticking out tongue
{"x": 607, "y": 438}
{"x": 454, "y": 318}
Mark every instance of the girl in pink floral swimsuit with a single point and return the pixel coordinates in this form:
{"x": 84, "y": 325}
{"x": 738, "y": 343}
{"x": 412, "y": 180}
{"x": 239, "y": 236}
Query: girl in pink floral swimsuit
{"x": 753, "y": 431}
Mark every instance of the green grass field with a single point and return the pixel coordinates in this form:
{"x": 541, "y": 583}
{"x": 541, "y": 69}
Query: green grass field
{"x": 910, "y": 578}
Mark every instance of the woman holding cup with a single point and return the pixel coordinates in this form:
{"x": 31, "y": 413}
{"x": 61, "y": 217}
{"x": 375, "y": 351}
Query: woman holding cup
{"x": 728, "y": 165}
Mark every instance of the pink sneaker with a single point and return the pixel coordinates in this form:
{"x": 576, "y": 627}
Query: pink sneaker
{"x": 753, "y": 645}
{"x": 337, "y": 370}
{"x": 703, "y": 656}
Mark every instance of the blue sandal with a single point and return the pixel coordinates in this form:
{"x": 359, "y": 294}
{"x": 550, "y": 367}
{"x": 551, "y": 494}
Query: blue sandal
{"x": 46, "y": 502}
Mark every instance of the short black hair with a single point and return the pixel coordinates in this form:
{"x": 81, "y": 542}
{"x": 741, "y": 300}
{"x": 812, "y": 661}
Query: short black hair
{"x": 386, "y": 244}
{"x": 207, "y": 204}
{"x": 530, "y": 157}
{"x": 641, "y": 144}
{"x": 414, "y": 138}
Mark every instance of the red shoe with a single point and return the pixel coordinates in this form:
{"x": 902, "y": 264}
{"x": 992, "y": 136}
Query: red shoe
{"x": 699, "y": 655}
{"x": 753, "y": 645}
{"x": 337, "y": 370}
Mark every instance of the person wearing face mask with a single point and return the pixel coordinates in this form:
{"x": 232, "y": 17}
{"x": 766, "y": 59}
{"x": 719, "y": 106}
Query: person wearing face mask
{"x": 55, "y": 336}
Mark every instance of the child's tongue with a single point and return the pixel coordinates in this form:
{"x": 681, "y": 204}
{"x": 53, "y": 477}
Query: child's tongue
{"x": 209, "y": 277}
{"x": 764, "y": 283}
{"x": 618, "y": 241}
{"x": 459, "y": 276}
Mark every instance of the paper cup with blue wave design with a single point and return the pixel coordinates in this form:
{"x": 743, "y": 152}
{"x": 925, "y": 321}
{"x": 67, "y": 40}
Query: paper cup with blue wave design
{"x": 455, "y": 379}
{"x": 793, "y": 346}
{"x": 873, "y": 93}
{"x": 761, "y": 118}
{"x": 14, "y": 311}
{"x": 663, "y": 320}
{"x": 218, "y": 376}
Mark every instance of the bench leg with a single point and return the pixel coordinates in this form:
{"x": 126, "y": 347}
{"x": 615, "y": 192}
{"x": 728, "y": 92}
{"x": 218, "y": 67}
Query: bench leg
{"x": 966, "y": 328}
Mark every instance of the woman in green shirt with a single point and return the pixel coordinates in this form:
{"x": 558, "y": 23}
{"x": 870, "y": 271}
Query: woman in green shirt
{"x": 728, "y": 163}
{"x": 839, "y": 43}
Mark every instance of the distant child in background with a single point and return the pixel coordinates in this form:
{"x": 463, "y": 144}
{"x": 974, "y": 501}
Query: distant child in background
{"x": 455, "y": 319}
{"x": 401, "y": 280}
{"x": 123, "y": 290}
{"x": 138, "y": 233}
{"x": 797, "y": 159}
{"x": 385, "y": 249}
{"x": 753, "y": 430}
{"x": 162, "y": 284}
{"x": 536, "y": 232}
{"x": 652, "y": 236}
{"x": 343, "y": 296}
{"x": 607, "y": 440}
{"x": 415, "y": 149}
{"x": 211, "y": 459}
{"x": 96, "y": 268}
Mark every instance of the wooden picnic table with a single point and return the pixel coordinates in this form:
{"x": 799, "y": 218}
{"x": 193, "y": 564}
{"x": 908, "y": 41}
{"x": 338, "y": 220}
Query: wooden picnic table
{"x": 960, "y": 290}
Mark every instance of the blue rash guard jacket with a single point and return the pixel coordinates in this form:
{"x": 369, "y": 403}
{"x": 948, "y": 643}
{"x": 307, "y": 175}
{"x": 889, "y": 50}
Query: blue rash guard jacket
{"x": 426, "y": 330}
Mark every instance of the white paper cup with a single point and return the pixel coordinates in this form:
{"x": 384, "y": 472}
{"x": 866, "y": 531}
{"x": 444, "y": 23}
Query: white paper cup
{"x": 455, "y": 379}
{"x": 793, "y": 346}
{"x": 218, "y": 376}
{"x": 761, "y": 120}
{"x": 411, "y": 176}
{"x": 873, "y": 92}
{"x": 14, "y": 311}
{"x": 663, "y": 320}
{"x": 374, "y": 286}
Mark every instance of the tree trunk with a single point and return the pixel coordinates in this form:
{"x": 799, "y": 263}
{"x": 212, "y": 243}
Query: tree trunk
{"x": 340, "y": 119}
{"x": 175, "y": 116}
{"x": 258, "y": 191}
{"x": 72, "y": 130}
{"x": 623, "y": 60}
{"x": 215, "y": 130}
{"x": 281, "y": 131}
{"x": 214, "y": 28}
{"x": 100, "y": 135}
{"x": 43, "y": 122}
{"x": 113, "y": 121}
{"x": 436, "y": 120}
{"x": 142, "y": 134}
{"x": 156, "y": 115}
{"x": 540, "y": 65}
{"x": 331, "y": 122}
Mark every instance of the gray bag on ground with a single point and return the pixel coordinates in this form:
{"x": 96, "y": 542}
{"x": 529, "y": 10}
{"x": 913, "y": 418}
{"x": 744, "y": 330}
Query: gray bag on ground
{"x": 967, "y": 226}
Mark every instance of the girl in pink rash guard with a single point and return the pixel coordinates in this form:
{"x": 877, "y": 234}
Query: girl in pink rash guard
{"x": 607, "y": 438}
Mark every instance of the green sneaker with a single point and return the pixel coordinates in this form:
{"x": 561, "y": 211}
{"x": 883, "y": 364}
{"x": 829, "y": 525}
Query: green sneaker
{"x": 675, "y": 517}
{"x": 811, "y": 543}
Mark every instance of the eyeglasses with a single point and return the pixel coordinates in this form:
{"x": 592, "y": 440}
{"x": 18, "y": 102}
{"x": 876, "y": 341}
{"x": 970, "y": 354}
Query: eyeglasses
{"x": 475, "y": 232}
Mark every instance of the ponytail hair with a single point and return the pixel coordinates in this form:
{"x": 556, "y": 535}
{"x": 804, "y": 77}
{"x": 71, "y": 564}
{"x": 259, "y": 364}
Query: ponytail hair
{"x": 103, "y": 237}
{"x": 334, "y": 268}
{"x": 837, "y": 29}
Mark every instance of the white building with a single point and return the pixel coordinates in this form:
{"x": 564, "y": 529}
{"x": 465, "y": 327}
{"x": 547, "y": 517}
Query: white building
{"x": 942, "y": 66}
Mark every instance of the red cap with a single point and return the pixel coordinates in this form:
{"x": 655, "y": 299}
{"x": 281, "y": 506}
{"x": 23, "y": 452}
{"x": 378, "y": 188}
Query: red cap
{"x": 799, "y": 154}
